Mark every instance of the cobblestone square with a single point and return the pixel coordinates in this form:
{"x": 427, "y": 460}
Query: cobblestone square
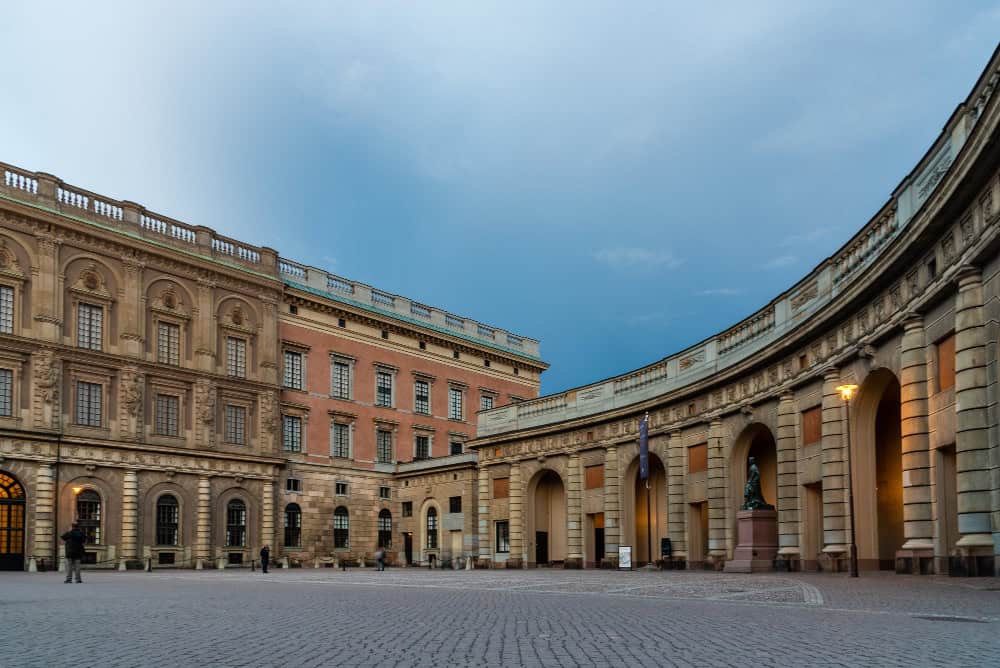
{"x": 411, "y": 617}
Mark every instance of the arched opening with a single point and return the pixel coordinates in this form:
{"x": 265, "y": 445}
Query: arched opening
{"x": 432, "y": 528}
{"x": 756, "y": 441}
{"x": 88, "y": 516}
{"x": 293, "y": 526}
{"x": 877, "y": 469}
{"x": 236, "y": 523}
{"x": 167, "y": 520}
{"x": 649, "y": 507}
{"x": 385, "y": 529}
{"x": 547, "y": 513}
{"x": 11, "y": 523}
{"x": 341, "y": 528}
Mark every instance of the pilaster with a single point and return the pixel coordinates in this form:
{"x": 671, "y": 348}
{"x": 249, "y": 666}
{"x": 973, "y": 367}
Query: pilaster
{"x": 918, "y": 524}
{"x": 130, "y": 517}
{"x": 676, "y": 508}
{"x": 267, "y": 514}
{"x": 484, "y": 515}
{"x": 788, "y": 479}
{"x": 612, "y": 505}
{"x": 46, "y": 298}
{"x": 717, "y": 481}
{"x": 834, "y": 467}
{"x": 44, "y": 529}
{"x": 203, "y": 539}
{"x": 518, "y": 546}
{"x": 574, "y": 512}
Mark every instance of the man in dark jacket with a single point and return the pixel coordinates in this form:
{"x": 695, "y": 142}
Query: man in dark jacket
{"x": 265, "y": 557}
{"x": 74, "y": 552}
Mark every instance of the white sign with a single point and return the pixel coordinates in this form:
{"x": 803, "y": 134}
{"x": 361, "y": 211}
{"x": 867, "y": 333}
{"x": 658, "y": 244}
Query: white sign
{"x": 625, "y": 557}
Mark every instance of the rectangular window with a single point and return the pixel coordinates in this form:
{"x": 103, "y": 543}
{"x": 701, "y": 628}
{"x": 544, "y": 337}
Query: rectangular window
{"x": 812, "y": 425}
{"x": 383, "y": 447}
{"x": 293, "y": 485}
{"x": 340, "y": 383}
{"x": 291, "y": 440}
{"x": 167, "y": 414}
{"x": 384, "y": 492}
{"x": 383, "y": 390}
{"x": 89, "y": 326}
{"x": 501, "y": 488}
{"x": 236, "y": 357}
{"x": 423, "y": 448}
{"x": 454, "y": 504}
{"x": 698, "y": 458}
{"x": 293, "y": 370}
{"x": 422, "y": 397}
{"x": 236, "y": 423}
{"x": 454, "y": 403}
{"x": 340, "y": 488}
{"x": 6, "y": 309}
{"x": 594, "y": 476}
{"x": 946, "y": 363}
{"x": 485, "y": 402}
{"x": 6, "y": 392}
{"x": 456, "y": 448}
{"x": 168, "y": 343}
{"x": 503, "y": 536}
{"x": 407, "y": 508}
{"x": 88, "y": 404}
{"x": 340, "y": 441}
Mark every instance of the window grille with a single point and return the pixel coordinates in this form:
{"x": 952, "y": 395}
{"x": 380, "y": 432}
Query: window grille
{"x": 167, "y": 414}
{"x": 6, "y": 309}
{"x": 292, "y": 434}
{"x": 383, "y": 396}
{"x": 341, "y": 527}
{"x": 422, "y": 397}
{"x": 6, "y": 392}
{"x": 236, "y": 523}
{"x": 423, "y": 449}
{"x": 236, "y": 357}
{"x": 168, "y": 343}
{"x": 167, "y": 520}
{"x": 88, "y": 404}
{"x": 385, "y": 529}
{"x": 340, "y": 441}
{"x": 236, "y": 421}
{"x": 432, "y": 528}
{"x": 384, "y": 447}
{"x": 293, "y": 525}
{"x": 341, "y": 381}
{"x": 454, "y": 403}
{"x": 89, "y": 326}
{"x": 293, "y": 370}
{"x": 88, "y": 516}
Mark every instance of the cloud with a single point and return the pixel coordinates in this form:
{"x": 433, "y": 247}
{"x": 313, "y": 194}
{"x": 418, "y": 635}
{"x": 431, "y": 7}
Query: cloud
{"x": 719, "y": 292}
{"x": 780, "y": 261}
{"x": 637, "y": 258}
{"x": 812, "y": 236}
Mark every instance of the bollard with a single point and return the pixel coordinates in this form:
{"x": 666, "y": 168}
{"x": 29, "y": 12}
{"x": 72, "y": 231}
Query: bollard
{"x": 149, "y": 564}
{"x": 253, "y": 565}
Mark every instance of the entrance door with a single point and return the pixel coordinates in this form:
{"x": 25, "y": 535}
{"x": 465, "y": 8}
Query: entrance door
{"x": 598, "y": 544}
{"x": 408, "y": 547}
{"x": 11, "y": 524}
{"x": 456, "y": 544}
{"x": 541, "y": 547}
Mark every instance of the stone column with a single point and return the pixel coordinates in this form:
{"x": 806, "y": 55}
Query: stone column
{"x": 132, "y": 311}
{"x": 717, "y": 480}
{"x": 203, "y": 544}
{"x": 46, "y": 299}
{"x": 44, "y": 512}
{"x": 676, "y": 508}
{"x": 484, "y": 515}
{"x": 612, "y": 504}
{"x": 130, "y": 518}
{"x": 834, "y": 468}
{"x": 268, "y": 341}
{"x": 518, "y": 546}
{"x": 788, "y": 478}
{"x": 267, "y": 515}
{"x": 204, "y": 327}
{"x": 574, "y": 512}
{"x": 918, "y": 523}
{"x": 972, "y": 425}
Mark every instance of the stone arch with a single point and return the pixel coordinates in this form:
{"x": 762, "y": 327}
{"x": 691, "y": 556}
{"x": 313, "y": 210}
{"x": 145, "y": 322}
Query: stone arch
{"x": 170, "y": 301}
{"x": 91, "y": 279}
{"x": 424, "y": 553}
{"x": 220, "y": 519}
{"x": 186, "y": 512}
{"x": 13, "y": 522}
{"x": 545, "y": 535}
{"x": 15, "y": 275}
{"x": 877, "y": 469}
{"x": 110, "y": 512}
{"x": 755, "y": 440}
{"x": 236, "y": 311}
{"x": 634, "y": 511}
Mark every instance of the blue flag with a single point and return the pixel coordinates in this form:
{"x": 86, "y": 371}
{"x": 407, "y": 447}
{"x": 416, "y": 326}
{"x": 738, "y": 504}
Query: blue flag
{"x": 644, "y": 449}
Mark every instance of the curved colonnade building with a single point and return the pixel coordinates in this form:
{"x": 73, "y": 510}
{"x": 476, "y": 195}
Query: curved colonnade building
{"x": 907, "y": 310}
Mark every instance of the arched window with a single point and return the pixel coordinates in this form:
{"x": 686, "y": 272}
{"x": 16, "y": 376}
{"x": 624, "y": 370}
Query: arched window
{"x": 236, "y": 523}
{"x": 432, "y": 528}
{"x": 167, "y": 520}
{"x": 88, "y": 515}
{"x": 341, "y": 527}
{"x": 293, "y": 525}
{"x": 385, "y": 529}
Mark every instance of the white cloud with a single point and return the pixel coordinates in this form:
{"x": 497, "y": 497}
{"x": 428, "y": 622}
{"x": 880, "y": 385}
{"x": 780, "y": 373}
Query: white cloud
{"x": 780, "y": 261}
{"x": 637, "y": 258}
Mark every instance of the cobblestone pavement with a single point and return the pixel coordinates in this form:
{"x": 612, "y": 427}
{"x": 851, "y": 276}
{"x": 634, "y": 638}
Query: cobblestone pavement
{"x": 410, "y": 617}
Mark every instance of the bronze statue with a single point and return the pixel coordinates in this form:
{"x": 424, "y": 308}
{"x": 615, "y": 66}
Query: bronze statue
{"x": 753, "y": 498}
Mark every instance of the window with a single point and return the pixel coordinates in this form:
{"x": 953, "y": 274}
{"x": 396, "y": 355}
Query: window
{"x": 88, "y": 516}
{"x": 236, "y": 523}
{"x": 293, "y": 525}
{"x": 384, "y": 492}
{"x": 168, "y": 343}
{"x": 89, "y": 326}
{"x": 341, "y": 323}
{"x": 454, "y": 504}
{"x": 946, "y": 363}
{"x": 385, "y": 529}
{"x": 485, "y": 402}
{"x": 340, "y": 440}
{"x": 383, "y": 447}
{"x": 167, "y": 413}
{"x": 456, "y": 448}
{"x": 503, "y": 536}
{"x": 422, "y": 397}
{"x": 698, "y": 458}
{"x": 454, "y": 403}
{"x": 812, "y": 425}
{"x": 383, "y": 388}
{"x": 88, "y": 404}
{"x": 6, "y": 309}
{"x": 293, "y": 485}
{"x": 6, "y": 392}
{"x": 291, "y": 440}
{"x": 236, "y": 421}
{"x": 340, "y": 488}
{"x": 341, "y": 527}
{"x": 293, "y": 370}
{"x": 423, "y": 448}
{"x": 501, "y": 488}
{"x": 593, "y": 476}
{"x": 407, "y": 508}
{"x": 167, "y": 520}
{"x": 340, "y": 381}
{"x": 236, "y": 357}
{"x": 432, "y": 528}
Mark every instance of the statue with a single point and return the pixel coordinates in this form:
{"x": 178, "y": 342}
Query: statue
{"x": 753, "y": 499}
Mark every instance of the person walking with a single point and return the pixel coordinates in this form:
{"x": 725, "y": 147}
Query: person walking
{"x": 265, "y": 557}
{"x": 380, "y": 559}
{"x": 74, "y": 539}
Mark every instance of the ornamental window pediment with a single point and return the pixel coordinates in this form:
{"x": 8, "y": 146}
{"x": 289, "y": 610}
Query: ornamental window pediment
{"x": 169, "y": 301}
{"x": 90, "y": 283}
{"x": 9, "y": 264}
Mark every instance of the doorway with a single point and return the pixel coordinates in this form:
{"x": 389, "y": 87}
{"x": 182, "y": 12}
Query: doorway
{"x": 598, "y": 522}
{"x": 542, "y": 548}
{"x": 11, "y": 524}
{"x": 408, "y": 548}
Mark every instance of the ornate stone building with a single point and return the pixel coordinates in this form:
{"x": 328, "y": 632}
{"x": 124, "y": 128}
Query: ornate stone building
{"x": 907, "y": 310}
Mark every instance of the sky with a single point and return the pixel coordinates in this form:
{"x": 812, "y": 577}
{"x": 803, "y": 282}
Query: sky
{"x": 618, "y": 180}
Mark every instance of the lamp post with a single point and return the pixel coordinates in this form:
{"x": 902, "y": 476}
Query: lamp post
{"x": 846, "y": 392}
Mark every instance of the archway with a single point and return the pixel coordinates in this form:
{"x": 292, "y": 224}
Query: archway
{"x": 636, "y": 509}
{"x": 756, "y": 441}
{"x": 11, "y": 523}
{"x": 877, "y": 469}
{"x": 547, "y": 519}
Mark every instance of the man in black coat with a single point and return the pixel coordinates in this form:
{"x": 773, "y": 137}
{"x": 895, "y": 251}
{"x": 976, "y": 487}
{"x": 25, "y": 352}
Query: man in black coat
{"x": 265, "y": 557}
{"x": 74, "y": 552}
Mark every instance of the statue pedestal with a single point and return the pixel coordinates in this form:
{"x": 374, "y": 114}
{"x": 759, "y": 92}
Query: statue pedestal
{"x": 757, "y": 541}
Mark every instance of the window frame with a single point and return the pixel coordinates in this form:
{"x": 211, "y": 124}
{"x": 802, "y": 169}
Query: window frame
{"x": 7, "y": 393}
{"x": 11, "y": 315}
{"x": 176, "y": 417}
{"x": 502, "y": 545}
{"x": 297, "y": 422}
{"x": 390, "y": 435}
{"x": 337, "y": 387}
{"x": 160, "y": 526}
{"x": 348, "y": 427}
{"x": 293, "y": 383}
{"x": 292, "y": 510}
{"x": 341, "y": 528}
{"x": 431, "y": 528}
{"x": 425, "y": 436}
{"x": 92, "y": 309}
{"x": 451, "y": 504}
{"x": 236, "y": 356}
{"x": 456, "y": 390}
{"x": 226, "y": 434}
{"x": 91, "y": 526}
{"x": 421, "y": 408}
{"x": 384, "y": 533}
{"x": 388, "y": 373}
{"x": 169, "y": 324}
{"x": 241, "y": 526}
{"x": 78, "y": 400}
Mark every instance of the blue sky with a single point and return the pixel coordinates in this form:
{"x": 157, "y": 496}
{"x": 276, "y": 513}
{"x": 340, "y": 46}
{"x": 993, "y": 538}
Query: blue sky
{"x": 619, "y": 180}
